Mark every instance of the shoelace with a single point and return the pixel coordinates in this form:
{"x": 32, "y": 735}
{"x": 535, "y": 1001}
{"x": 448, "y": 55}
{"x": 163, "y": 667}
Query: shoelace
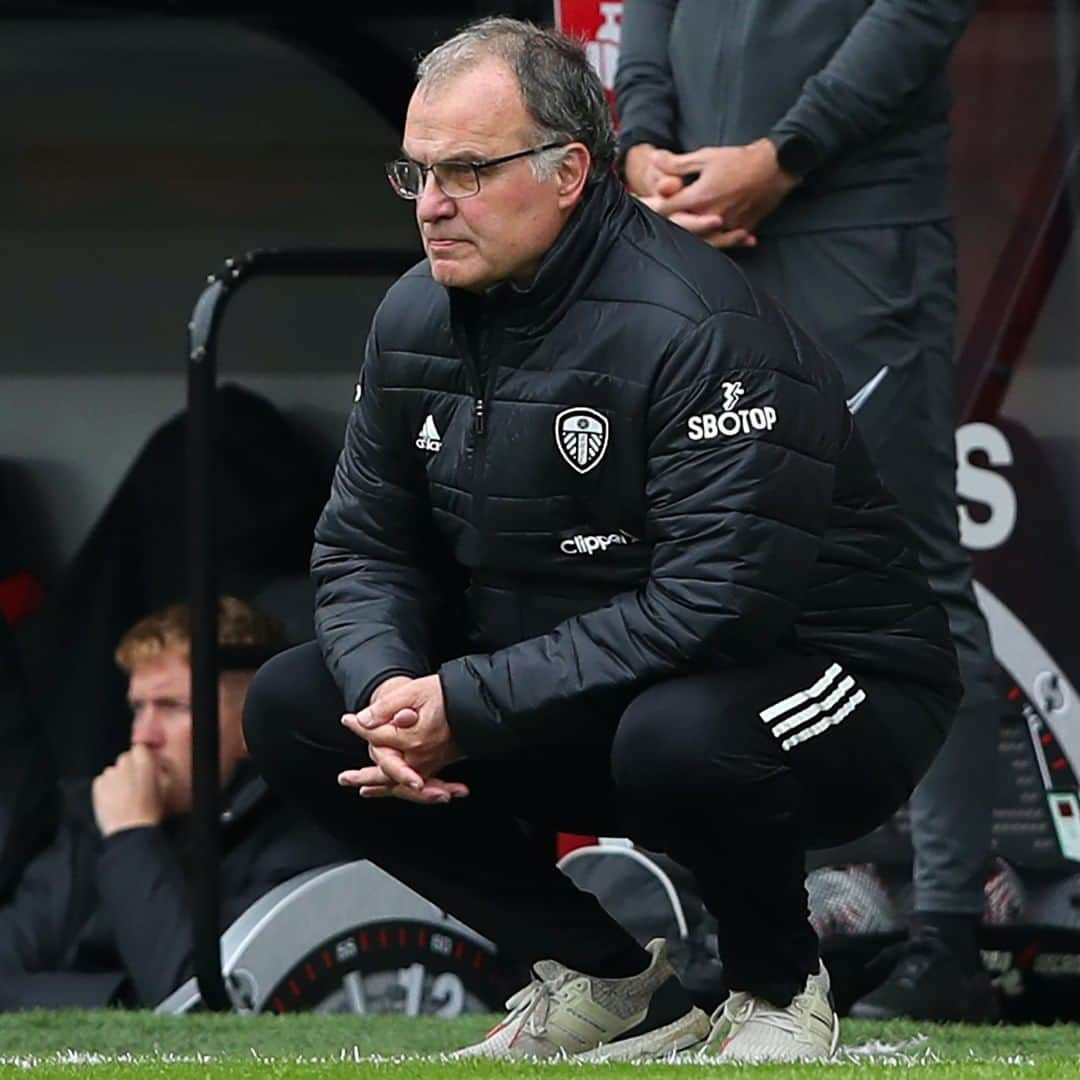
{"x": 531, "y": 1005}
{"x": 740, "y": 1008}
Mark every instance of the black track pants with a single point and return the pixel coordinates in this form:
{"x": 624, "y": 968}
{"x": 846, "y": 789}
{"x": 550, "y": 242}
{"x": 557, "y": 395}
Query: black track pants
{"x": 735, "y": 774}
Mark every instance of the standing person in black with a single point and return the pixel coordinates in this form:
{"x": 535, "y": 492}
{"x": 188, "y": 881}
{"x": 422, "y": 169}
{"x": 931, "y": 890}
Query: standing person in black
{"x": 102, "y": 915}
{"x": 604, "y": 552}
{"x": 809, "y": 138}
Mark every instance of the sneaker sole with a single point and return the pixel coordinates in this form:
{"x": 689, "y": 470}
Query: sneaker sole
{"x": 685, "y": 1033}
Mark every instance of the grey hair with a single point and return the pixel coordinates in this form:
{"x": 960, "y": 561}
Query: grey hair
{"x": 559, "y": 87}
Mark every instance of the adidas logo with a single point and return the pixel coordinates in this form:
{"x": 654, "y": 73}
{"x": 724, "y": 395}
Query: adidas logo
{"x": 428, "y": 438}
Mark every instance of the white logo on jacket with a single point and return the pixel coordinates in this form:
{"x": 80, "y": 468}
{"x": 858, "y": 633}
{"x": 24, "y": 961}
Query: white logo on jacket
{"x": 739, "y": 422}
{"x": 581, "y": 436}
{"x": 428, "y": 437}
{"x": 732, "y": 392}
{"x": 590, "y": 545}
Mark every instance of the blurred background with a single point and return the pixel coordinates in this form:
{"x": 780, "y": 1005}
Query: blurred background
{"x": 144, "y": 143}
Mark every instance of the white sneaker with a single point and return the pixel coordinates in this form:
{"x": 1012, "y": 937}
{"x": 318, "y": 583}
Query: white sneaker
{"x": 564, "y": 1013}
{"x": 749, "y": 1028}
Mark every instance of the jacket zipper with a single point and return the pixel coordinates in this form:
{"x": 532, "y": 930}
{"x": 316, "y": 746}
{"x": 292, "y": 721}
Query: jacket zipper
{"x": 482, "y": 403}
{"x": 481, "y": 410}
{"x": 471, "y": 352}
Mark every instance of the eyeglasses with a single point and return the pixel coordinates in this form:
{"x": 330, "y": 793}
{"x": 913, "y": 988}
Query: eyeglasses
{"x": 456, "y": 179}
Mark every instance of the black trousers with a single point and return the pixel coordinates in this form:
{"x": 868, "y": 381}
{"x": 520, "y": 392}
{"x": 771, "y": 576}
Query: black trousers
{"x": 734, "y": 774}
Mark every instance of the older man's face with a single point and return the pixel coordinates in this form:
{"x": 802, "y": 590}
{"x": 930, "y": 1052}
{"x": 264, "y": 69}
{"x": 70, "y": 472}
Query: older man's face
{"x": 503, "y": 231}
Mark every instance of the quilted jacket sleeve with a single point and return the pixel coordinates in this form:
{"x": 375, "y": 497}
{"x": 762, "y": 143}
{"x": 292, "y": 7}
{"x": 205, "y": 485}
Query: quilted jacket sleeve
{"x": 372, "y": 586}
{"x": 736, "y": 510}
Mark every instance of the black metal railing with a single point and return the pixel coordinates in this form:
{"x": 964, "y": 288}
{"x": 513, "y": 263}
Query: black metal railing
{"x": 203, "y": 332}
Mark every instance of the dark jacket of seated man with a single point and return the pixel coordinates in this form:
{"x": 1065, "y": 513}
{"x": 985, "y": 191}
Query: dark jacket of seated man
{"x": 103, "y": 914}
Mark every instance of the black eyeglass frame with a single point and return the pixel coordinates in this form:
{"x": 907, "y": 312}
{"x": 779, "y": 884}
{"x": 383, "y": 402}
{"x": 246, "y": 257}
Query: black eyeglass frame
{"x": 476, "y": 166}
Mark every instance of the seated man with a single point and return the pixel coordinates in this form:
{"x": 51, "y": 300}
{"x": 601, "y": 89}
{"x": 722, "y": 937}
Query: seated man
{"x": 102, "y": 915}
{"x": 604, "y": 552}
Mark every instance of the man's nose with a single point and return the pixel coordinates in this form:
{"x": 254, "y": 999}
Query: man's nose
{"x": 146, "y": 731}
{"x": 433, "y": 203}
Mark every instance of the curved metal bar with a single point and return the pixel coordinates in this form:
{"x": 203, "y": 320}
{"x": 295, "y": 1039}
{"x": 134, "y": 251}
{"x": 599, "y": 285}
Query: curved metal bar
{"x": 203, "y": 331}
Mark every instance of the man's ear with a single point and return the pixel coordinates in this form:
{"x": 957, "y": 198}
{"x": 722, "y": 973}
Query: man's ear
{"x": 572, "y": 174}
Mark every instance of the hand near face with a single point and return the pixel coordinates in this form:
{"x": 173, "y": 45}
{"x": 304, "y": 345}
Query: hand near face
{"x": 127, "y": 794}
{"x": 409, "y": 741}
{"x": 739, "y": 185}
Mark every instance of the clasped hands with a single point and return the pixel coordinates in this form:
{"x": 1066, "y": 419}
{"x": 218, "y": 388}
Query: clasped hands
{"x": 720, "y": 193}
{"x": 409, "y": 741}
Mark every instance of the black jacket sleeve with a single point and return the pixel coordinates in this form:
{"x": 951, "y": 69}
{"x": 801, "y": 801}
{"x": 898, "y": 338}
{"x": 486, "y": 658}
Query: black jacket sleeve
{"x": 373, "y": 596}
{"x": 145, "y": 895}
{"x": 734, "y": 520}
{"x": 645, "y": 94}
{"x": 883, "y": 62}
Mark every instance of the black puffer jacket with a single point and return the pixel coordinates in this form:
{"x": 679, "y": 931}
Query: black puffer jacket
{"x": 635, "y": 468}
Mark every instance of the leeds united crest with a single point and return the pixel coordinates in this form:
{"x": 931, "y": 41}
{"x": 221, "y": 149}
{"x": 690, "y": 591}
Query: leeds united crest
{"x": 581, "y": 435}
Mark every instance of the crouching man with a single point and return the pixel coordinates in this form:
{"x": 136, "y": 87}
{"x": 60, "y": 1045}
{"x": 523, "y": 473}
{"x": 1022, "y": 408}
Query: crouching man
{"x": 604, "y": 552}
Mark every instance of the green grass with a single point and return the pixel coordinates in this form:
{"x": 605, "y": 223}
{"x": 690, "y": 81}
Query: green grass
{"x": 34, "y": 1045}
{"x": 426, "y": 1070}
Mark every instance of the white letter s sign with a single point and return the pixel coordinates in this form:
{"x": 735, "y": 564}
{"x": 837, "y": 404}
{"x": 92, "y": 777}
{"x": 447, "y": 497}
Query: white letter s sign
{"x": 981, "y": 485}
